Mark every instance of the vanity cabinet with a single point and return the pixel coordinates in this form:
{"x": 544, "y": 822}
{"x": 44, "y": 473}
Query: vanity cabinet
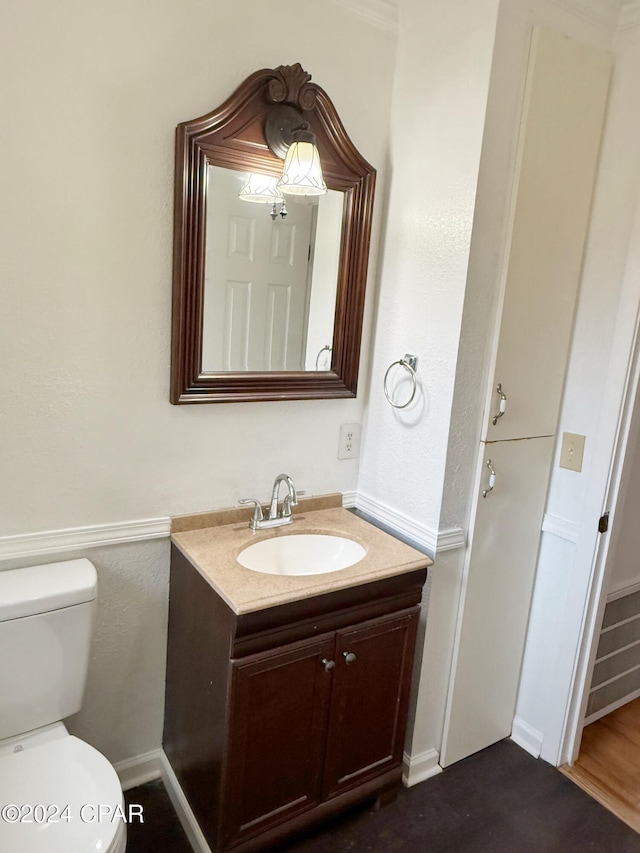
{"x": 283, "y": 717}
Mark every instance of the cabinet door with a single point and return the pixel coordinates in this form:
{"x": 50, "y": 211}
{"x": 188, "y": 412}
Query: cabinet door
{"x": 492, "y": 631}
{"x": 372, "y": 679}
{"x": 277, "y": 720}
{"x": 561, "y": 128}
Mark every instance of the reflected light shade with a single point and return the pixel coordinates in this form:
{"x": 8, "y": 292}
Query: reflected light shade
{"x": 261, "y": 188}
{"x": 302, "y": 173}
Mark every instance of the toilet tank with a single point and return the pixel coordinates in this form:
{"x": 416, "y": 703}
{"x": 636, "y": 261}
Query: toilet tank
{"x": 46, "y": 619}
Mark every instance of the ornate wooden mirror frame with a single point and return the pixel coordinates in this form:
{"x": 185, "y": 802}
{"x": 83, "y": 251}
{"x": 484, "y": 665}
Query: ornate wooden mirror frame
{"x": 233, "y": 137}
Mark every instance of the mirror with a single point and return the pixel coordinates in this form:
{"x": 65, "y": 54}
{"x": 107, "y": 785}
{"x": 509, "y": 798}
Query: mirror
{"x": 267, "y": 308}
{"x": 269, "y": 283}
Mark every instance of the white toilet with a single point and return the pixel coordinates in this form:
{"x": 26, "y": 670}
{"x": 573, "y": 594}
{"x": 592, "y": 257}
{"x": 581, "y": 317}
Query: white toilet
{"x": 57, "y": 793}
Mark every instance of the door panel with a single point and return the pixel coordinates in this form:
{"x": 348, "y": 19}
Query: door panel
{"x": 493, "y": 627}
{"x": 256, "y": 281}
{"x": 279, "y": 708}
{"x": 369, "y": 704}
{"x": 564, "y": 111}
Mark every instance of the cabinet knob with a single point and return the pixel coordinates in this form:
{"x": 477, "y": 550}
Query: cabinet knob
{"x": 349, "y": 657}
{"x": 328, "y": 664}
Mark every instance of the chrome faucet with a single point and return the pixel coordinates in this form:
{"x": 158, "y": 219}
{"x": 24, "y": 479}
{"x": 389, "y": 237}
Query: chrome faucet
{"x": 275, "y": 518}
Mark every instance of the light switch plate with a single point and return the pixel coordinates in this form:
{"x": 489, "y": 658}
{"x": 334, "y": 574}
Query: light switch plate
{"x": 572, "y": 451}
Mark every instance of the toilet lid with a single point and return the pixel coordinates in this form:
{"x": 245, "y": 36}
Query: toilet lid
{"x": 58, "y": 797}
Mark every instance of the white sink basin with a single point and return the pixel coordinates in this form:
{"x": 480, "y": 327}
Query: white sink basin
{"x": 301, "y": 554}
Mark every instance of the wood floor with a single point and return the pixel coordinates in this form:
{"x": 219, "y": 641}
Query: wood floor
{"x": 608, "y": 766}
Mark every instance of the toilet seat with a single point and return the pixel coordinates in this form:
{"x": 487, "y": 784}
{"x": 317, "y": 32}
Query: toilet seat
{"x": 63, "y": 771}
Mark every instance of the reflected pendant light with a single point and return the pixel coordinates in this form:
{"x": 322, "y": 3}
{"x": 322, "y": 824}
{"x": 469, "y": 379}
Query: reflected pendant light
{"x": 261, "y": 188}
{"x": 264, "y": 189}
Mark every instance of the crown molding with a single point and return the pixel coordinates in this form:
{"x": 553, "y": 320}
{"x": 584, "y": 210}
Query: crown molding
{"x": 601, "y": 13}
{"x": 630, "y": 15}
{"x": 381, "y": 13}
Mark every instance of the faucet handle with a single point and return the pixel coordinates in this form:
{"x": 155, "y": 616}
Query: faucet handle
{"x": 288, "y": 502}
{"x": 257, "y": 512}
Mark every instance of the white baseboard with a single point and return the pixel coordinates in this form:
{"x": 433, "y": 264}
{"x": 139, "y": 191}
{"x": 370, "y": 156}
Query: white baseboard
{"x": 417, "y": 768}
{"x": 139, "y": 770}
{"x": 183, "y": 810}
{"x": 420, "y": 535}
{"x": 527, "y": 737}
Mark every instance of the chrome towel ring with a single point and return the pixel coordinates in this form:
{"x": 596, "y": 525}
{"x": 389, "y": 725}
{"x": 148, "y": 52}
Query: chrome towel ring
{"x": 410, "y": 363}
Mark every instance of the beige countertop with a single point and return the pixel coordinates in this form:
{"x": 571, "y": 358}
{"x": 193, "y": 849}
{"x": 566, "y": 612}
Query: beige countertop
{"x": 213, "y": 550}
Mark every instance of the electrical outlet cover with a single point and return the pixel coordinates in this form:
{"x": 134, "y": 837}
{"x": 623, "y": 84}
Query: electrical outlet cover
{"x": 349, "y": 444}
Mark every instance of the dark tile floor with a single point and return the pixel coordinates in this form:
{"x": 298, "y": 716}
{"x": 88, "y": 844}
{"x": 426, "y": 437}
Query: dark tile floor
{"x": 500, "y": 800}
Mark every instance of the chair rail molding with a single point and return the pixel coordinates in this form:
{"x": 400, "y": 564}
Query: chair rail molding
{"x": 560, "y": 527}
{"x": 78, "y": 538}
{"x": 412, "y": 532}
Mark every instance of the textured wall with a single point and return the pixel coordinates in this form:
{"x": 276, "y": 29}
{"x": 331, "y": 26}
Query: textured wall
{"x": 438, "y": 118}
{"x": 123, "y": 707}
{"x": 440, "y": 95}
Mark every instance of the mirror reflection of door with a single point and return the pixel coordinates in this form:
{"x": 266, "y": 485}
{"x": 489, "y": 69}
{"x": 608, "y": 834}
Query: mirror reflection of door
{"x": 258, "y": 283}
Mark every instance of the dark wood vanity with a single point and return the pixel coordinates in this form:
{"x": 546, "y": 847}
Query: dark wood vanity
{"x": 282, "y": 717}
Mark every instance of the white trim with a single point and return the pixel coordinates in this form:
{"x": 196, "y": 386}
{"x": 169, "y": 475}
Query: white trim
{"x": 612, "y": 707}
{"x": 621, "y": 593}
{"x": 420, "y": 767}
{"x": 425, "y": 538}
{"x": 526, "y": 736}
{"x": 560, "y": 527}
{"x": 614, "y": 678}
{"x": 349, "y": 499}
{"x": 449, "y": 540}
{"x": 140, "y": 769}
{"x": 380, "y": 13}
{"x": 602, "y": 13}
{"x": 615, "y": 652}
{"x": 182, "y": 808}
{"x": 80, "y": 538}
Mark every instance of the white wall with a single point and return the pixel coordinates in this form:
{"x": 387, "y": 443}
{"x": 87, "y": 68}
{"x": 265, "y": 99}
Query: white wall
{"x": 438, "y": 117}
{"x": 91, "y": 97}
{"x": 440, "y": 93}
